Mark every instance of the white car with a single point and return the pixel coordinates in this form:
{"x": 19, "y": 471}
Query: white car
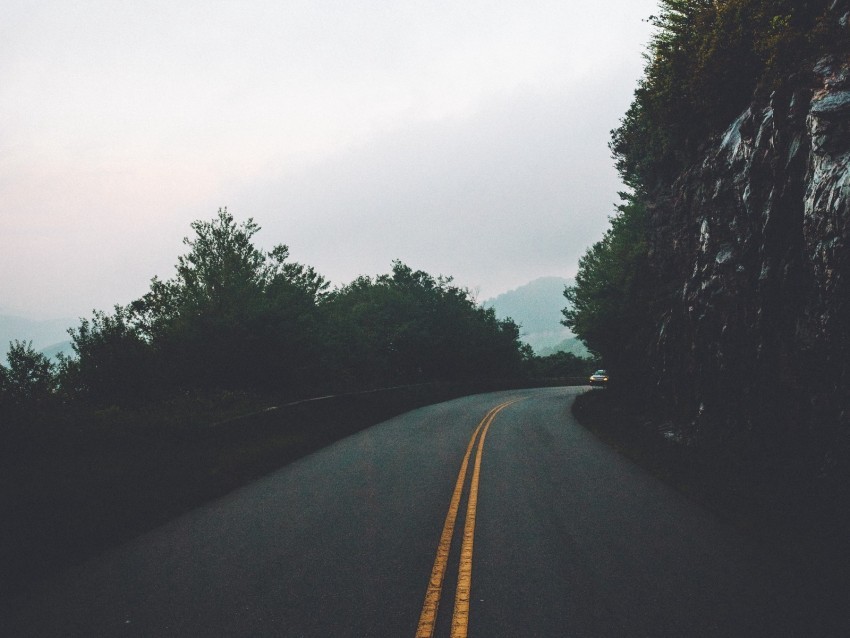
{"x": 600, "y": 377}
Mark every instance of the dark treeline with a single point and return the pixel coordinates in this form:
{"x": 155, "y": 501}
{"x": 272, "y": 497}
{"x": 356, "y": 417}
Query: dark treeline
{"x": 236, "y": 319}
{"x": 711, "y": 298}
{"x": 705, "y": 62}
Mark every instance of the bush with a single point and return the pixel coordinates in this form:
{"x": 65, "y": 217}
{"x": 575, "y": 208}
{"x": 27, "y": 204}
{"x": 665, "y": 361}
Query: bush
{"x": 30, "y": 378}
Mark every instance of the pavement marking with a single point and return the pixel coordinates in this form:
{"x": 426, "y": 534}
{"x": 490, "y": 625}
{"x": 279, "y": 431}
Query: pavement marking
{"x": 460, "y": 619}
{"x": 428, "y": 617}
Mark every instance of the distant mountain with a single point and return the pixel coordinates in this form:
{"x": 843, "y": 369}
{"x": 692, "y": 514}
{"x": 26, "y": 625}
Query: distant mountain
{"x": 536, "y": 307}
{"x": 53, "y": 352}
{"x": 43, "y": 334}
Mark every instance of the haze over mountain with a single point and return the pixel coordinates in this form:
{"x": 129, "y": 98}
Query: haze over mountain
{"x": 454, "y": 135}
{"x": 536, "y": 307}
{"x": 49, "y": 335}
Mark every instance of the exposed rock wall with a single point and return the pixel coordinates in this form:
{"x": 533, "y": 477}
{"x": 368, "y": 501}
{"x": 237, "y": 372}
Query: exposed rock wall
{"x": 753, "y": 247}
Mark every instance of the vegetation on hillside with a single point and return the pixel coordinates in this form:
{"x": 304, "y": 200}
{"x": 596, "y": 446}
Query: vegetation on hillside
{"x": 705, "y": 60}
{"x": 703, "y": 64}
{"x": 608, "y": 307}
{"x": 765, "y": 447}
{"x": 237, "y": 320}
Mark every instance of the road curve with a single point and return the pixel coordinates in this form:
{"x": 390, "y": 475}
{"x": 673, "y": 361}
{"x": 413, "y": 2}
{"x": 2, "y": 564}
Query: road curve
{"x": 568, "y": 539}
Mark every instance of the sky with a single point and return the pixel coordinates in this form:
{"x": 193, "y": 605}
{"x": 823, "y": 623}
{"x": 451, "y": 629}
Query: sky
{"x": 465, "y": 138}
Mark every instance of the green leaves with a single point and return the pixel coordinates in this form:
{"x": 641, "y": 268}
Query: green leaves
{"x": 408, "y": 327}
{"x": 237, "y": 318}
{"x": 223, "y": 270}
{"x": 30, "y": 377}
{"x": 609, "y": 302}
{"x": 704, "y": 62}
{"x": 114, "y": 362}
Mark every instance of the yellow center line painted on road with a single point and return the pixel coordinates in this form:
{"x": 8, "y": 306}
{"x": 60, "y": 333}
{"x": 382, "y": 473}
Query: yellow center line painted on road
{"x": 428, "y": 617}
{"x": 460, "y": 619}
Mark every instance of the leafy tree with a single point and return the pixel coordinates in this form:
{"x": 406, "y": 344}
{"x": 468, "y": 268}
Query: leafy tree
{"x": 703, "y": 64}
{"x": 30, "y": 376}
{"x": 561, "y": 364}
{"x": 233, "y": 315}
{"x": 223, "y": 275}
{"x": 114, "y": 362}
{"x": 236, "y": 317}
{"x": 27, "y": 386}
{"x": 408, "y": 326}
{"x": 611, "y": 300}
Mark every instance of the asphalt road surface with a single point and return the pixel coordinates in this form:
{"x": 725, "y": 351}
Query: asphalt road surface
{"x": 554, "y": 534}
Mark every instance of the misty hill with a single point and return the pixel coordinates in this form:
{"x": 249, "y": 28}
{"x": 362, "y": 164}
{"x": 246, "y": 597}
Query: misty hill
{"x": 53, "y": 351}
{"x": 536, "y": 307}
{"x": 43, "y": 334}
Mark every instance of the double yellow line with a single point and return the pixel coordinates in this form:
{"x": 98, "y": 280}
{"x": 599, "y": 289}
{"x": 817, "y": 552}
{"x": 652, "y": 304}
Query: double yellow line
{"x": 460, "y": 619}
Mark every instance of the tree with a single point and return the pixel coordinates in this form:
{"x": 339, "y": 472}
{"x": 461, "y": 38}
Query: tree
{"x": 611, "y": 302}
{"x": 223, "y": 275}
{"x": 704, "y": 62}
{"x": 408, "y": 326}
{"x": 114, "y": 362}
{"x": 561, "y": 364}
{"x": 28, "y": 385}
{"x": 233, "y": 316}
{"x": 237, "y": 318}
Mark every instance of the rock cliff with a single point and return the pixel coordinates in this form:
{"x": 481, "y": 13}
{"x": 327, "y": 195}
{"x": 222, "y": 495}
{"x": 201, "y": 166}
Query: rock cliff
{"x": 752, "y": 246}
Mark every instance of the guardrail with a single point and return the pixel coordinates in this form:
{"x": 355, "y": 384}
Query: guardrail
{"x": 416, "y": 393}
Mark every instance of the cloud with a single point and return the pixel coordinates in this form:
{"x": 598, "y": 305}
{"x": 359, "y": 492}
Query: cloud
{"x": 465, "y": 138}
{"x": 515, "y": 191}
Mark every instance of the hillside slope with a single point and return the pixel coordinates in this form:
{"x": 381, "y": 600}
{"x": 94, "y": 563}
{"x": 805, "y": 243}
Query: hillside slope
{"x": 759, "y": 329}
{"x": 536, "y": 307}
{"x": 43, "y": 334}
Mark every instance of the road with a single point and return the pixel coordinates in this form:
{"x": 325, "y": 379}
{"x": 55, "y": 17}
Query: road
{"x": 569, "y": 539}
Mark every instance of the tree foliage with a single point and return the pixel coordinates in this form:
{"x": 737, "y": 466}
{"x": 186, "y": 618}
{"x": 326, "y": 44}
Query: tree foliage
{"x": 29, "y": 377}
{"x": 560, "y": 365}
{"x": 235, "y": 317}
{"x": 703, "y": 63}
{"x": 608, "y": 303}
{"x": 28, "y": 385}
{"x": 114, "y": 362}
{"x": 408, "y": 326}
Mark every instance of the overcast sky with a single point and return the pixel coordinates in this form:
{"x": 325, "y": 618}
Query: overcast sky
{"x": 465, "y": 138}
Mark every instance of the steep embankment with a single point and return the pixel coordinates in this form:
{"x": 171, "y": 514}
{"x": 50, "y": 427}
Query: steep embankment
{"x": 758, "y": 237}
{"x": 730, "y": 266}
{"x": 752, "y": 350}
{"x": 537, "y": 308}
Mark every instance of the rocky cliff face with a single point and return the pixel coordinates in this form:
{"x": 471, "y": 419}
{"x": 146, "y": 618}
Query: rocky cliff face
{"x": 753, "y": 247}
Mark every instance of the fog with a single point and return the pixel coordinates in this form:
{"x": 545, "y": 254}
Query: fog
{"x": 466, "y": 139}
